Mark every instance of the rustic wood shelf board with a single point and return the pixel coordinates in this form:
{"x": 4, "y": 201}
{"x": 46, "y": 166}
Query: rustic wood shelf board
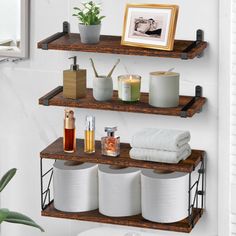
{"x": 135, "y": 221}
{"x": 55, "y": 151}
{"x": 184, "y": 49}
{"x": 116, "y": 105}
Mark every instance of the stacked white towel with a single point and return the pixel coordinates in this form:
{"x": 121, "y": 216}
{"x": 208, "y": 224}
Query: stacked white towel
{"x": 161, "y": 145}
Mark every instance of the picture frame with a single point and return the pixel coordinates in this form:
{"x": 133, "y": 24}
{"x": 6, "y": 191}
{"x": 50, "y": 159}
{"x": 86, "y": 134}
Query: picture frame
{"x": 150, "y": 26}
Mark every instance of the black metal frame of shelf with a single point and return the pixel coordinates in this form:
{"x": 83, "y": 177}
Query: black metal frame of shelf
{"x": 198, "y": 94}
{"x": 198, "y": 187}
{"x": 199, "y": 38}
{"x": 66, "y": 30}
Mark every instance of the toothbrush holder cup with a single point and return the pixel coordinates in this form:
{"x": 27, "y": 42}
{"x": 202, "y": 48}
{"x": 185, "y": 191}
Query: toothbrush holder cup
{"x": 102, "y": 88}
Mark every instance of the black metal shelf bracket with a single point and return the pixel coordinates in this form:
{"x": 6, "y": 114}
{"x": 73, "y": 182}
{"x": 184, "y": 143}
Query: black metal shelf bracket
{"x": 185, "y": 108}
{"x": 66, "y": 29}
{"x": 198, "y": 188}
{"x": 46, "y": 196}
{"x": 52, "y": 94}
{"x": 199, "y": 38}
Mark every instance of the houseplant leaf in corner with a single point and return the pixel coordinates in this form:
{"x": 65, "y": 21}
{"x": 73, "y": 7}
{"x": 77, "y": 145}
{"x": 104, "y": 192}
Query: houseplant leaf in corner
{"x": 6, "y": 178}
{"x": 10, "y": 216}
{"x": 18, "y": 218}
{"x": 3, "y": 214}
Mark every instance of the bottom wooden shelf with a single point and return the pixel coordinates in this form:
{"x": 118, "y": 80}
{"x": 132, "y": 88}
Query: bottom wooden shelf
{"x": 135, "y": 221}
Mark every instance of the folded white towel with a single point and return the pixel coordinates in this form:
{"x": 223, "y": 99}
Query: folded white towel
{"x": 161, "y": 139}
{"x": 160, "y": 155}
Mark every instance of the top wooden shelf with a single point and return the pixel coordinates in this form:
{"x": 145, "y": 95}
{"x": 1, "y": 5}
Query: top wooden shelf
{"x": 183, "y": 49}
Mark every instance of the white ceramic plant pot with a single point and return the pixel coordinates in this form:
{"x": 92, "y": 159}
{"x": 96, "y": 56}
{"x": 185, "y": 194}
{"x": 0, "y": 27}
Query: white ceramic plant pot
{"x": 89, "y": 34}
{"x": 164, "y": 89}
{"x": 102, "y": 88}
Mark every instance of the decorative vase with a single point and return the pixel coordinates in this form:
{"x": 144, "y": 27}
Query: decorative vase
{"x": 102, "y": 88}
{"x": 164, "y": 89}
{"x": 89, "y": 34}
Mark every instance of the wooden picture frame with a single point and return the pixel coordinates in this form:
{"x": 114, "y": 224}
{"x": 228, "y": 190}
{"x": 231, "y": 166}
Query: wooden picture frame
{"x": 150, "y": 26}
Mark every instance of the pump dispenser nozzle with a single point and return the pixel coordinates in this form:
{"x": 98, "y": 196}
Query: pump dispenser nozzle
{"x": 74, "y": 66}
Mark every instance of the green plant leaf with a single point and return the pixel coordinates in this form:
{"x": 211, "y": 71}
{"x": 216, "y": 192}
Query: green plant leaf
{"x": 6, "y": 178}
{"x": 3, "y": 214}
{"x": 18, "y": 218}
{"x": 76, "y": 8}
{"x": 89, "y": 13}
{"x": 101, "y": 17}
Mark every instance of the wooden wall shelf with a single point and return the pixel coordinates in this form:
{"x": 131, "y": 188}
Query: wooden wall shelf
{"x": 183, "y": 49}
{"x": 187, "y": 108}
{"x": 55, "y": 151}
{"x": 135, "y": 221}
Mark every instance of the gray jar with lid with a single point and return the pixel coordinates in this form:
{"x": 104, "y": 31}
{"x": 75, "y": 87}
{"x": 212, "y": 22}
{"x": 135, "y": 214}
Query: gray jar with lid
{"x": 164, "y": 89}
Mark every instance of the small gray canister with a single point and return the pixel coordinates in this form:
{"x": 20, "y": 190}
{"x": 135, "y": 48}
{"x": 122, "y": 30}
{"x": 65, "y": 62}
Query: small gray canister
{"x": 102, "y": 88}
{"x": 164, "y": 89}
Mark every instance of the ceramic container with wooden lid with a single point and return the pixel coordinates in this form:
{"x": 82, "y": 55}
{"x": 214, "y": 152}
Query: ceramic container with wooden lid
{"x": 164, "y": 89}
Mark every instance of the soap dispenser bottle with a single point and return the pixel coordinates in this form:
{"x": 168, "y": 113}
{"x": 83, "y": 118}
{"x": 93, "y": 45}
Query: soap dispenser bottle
{"x": 110, "y": 143}
{"x": 74, "y": 81}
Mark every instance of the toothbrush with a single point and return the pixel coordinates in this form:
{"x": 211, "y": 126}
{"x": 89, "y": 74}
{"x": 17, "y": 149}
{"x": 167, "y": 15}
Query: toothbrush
{"x": 95, "y": 72}
{"x": 109, "y": 75}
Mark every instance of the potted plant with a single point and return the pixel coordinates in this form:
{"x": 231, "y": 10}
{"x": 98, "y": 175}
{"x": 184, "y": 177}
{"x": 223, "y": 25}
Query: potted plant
{"x": 89, "y": 22}
{"x": 11, "y": 216}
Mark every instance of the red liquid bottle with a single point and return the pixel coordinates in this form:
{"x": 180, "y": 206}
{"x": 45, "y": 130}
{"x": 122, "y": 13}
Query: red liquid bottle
{"x": 69, "y": 141}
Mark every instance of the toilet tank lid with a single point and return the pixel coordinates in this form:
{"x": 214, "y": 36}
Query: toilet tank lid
{"x": 113, "y": 231}
{"x": 103, "y": 231}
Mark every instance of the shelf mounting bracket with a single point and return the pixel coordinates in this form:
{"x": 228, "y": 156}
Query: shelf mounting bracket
{"x": 199, "y": 38}
{"x": 198, "y": 94}
{"x": 46, "y": 42}
{"x": 50, "y": 95}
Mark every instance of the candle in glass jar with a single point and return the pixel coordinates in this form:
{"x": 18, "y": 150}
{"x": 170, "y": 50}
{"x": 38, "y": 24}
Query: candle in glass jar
{"x": 129, "y": 88}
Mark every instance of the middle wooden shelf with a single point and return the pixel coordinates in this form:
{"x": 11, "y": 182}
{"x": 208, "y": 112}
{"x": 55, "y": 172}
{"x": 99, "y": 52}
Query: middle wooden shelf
{"x": 188, "y": 105}
{"x": 55, "y": 151}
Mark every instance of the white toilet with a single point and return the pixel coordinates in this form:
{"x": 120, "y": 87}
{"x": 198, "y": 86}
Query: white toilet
{"x": 109, "y": 231}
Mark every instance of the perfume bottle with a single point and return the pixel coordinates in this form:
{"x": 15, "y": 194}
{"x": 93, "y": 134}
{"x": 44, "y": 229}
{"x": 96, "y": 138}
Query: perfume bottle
{"x": 110, "y": 143}
{"x": 69, "y": 140}
{"x": 89, "y": 135}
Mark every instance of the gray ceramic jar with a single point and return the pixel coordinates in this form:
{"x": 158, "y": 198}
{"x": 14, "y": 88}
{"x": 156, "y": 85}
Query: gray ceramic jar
{"x": 102, "y": 88}
{"x": 89, "y": 34}
{"x": 164, "y": 89}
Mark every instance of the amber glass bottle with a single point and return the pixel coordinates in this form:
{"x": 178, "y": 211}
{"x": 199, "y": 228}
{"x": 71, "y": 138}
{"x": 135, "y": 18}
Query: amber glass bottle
{"x": 69, "y": 140}
{"x": 89, "y": 135}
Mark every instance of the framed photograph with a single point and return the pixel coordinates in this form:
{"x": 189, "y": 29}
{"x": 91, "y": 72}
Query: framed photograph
{"x": 150, "y": 26}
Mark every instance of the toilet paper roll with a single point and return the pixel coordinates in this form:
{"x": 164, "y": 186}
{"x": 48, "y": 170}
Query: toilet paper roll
{"x": 119, "y": 191}
{"x": 75, "y": 186}
{"x": 164, "y": 196}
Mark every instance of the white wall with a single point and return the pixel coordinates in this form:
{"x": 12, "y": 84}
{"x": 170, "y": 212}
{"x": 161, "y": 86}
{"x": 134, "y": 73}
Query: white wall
{"x": 10, "y": 19}
{"x": 27, "y": 128}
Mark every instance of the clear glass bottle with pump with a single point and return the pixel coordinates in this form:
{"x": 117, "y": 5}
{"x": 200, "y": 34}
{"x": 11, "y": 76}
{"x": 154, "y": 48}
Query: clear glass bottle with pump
{"x": 110, "y": 143}
{"x": 89, "y": 135}
{"x": 69, "y": 140}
